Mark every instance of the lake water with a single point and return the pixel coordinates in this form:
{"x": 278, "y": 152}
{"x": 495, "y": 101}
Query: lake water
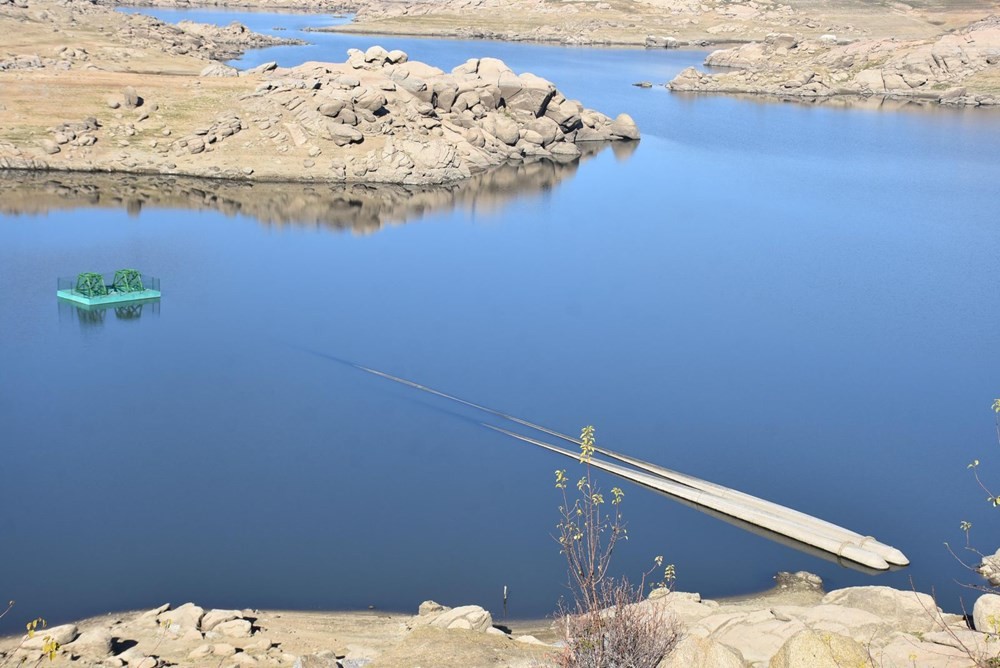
{"x": 799, "y": 302}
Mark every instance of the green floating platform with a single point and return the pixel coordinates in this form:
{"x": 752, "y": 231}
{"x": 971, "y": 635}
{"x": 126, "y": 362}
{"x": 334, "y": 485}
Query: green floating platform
{"x": 93, "y": 289}
{"x": 110, "y": 298}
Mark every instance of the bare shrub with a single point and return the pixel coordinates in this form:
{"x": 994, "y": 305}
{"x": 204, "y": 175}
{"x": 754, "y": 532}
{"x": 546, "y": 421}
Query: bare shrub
{"x": 621, "y": 634}
{"x": 606, "y": 626}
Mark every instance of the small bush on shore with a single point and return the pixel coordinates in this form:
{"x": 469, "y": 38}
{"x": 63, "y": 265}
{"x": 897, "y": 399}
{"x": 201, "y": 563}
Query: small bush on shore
{"x": 605, "y": 626}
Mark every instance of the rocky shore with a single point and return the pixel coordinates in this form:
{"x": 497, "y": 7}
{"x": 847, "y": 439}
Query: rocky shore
{"x": 150, "y": 99}
{"x": 842, "y": 48}
{"x": 960, "y": 68}
{"x": 795, "y": 625}
{"x": 654, "y": 23}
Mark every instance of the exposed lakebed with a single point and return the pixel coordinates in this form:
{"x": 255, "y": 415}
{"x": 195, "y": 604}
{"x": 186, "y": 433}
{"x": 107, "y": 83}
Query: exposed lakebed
{"x": 799, "y": 302}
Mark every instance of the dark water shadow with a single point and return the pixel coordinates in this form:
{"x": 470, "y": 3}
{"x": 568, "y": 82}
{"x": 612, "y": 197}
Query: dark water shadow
{"x": 356, "y": 207}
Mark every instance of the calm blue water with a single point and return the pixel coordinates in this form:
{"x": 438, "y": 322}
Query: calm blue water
{"x": 798, "y": 302}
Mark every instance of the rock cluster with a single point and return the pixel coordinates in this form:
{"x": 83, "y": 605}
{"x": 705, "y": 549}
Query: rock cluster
{"x": 844, "y": 627}
{"x": 135, "y": 642}
{"x": 75, "y": 134}
{"x": 960, "y": 68}
{"x": 989, "y": 568}
{"x": 204, "y": 137}
{"x": 795, "y": 625}
{"x": 466, "y": 617}
{"x": 376, "y": 118}
{"x": 231, "y": 40}
{"x": 424, "y": 125}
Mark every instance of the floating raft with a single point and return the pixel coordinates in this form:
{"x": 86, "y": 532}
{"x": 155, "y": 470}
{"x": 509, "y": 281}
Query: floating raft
{"x": 93, "y": 289}
{"x": 759, "y": 515}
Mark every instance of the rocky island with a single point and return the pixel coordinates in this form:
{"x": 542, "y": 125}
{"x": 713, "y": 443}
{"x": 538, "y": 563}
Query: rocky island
{"x": 149, "y": 98}
{"x": 960, "y": 68}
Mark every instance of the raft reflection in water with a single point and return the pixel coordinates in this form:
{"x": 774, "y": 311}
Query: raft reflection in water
{"x": 92, "y": 316}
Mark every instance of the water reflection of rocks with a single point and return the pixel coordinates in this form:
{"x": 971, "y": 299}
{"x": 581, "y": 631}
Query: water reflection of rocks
{"x": 356, "y": 207}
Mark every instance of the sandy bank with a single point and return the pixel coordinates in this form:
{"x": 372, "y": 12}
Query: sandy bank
{"x": 796, "y": 625}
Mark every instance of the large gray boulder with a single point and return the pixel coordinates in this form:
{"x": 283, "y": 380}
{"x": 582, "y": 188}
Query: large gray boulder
{"x": 376, "y": 55}
{"x": 466, "y": 617}
{"x": 809, "y": 649}
{"x": 533, "y": 95}
{"x": 92, "y": 644}
{"x": 624, "y": 127}
{"x": 905, "y": 610}
{"x": 213, "y": 618}
{"x": 369, "y": 99}
{"x": 990, "y": 568}
{"x": 131, "y": 97}
{"x": 342, "y": 134}
{"x": 332, "y": 107}
{"x": 986, "y": 614}
{"x": 63, "y": 635}
{"x": 698, "y": 652}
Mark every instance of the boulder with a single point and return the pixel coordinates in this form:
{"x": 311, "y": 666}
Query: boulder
{"x": 990, "y": 568}
{"x": 469, "y": 67}
{"x": 347, "y": 81}
{"x": 95, "y": 643}
{"x": 532, "y": 137}
{"x": 396, "y": 57}
{"x": 466, "y": 617}
{"x": 316, "y": 661}
{"x": 262, "y": 68}
{"x": 187, "y": 616}
{"x": 490, "y": 69}
{"x": 342, "y": 135}
{"x": 131, "y": 97}
{"x": 566, "y": 113}
{"x": 506, "y": 129}
{"x": 819, "y": 650}
{"x": 696, "y": 652}
{"x": 781, "y": 41}
{"x": 219, "y": 70}
{"x": 376, "y": 55}
{"x": 430, "y": 608}
{"x": 905, "y": 610}
{"x": 466, "y": 100}
{"x": 870, "y": 81}
{"x": 134, "y": 658}
{"x": 332, "y": 107}
{"x": 151, "y": 615}
{"x": 369, "y": 99}
{"x": 623, "y": 126}
{"x": 565, "y": 151}
{"x": 50, "y": 146}
{"x": 445, "y": 93}
{"x": 213, "y": 618}
{"x": 547, "y": 128}
{"x": 63, "y": 635}
{"x": 986, "y": 614}
{"x": 236, "y": 628}
{"x": 533, "y": 95}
